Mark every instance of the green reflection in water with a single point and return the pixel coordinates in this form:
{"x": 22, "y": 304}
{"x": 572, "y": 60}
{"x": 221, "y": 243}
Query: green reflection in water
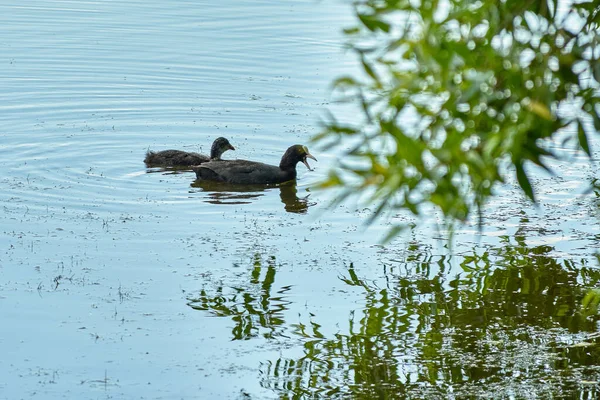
{"x": 502, "y": 322}
{"x": 256, "y": 309}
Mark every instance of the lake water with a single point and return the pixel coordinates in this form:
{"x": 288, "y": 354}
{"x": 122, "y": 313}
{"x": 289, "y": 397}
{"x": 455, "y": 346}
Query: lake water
{"x": 122, "y": 282}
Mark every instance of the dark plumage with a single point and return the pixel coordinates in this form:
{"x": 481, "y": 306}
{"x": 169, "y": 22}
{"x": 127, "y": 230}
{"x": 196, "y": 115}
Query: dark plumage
{"x": 251, "y": 172}
{"x": 178, "y": 158}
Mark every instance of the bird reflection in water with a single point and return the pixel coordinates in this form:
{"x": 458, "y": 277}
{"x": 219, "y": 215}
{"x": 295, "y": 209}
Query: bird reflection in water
{"x": 223, "y": 193}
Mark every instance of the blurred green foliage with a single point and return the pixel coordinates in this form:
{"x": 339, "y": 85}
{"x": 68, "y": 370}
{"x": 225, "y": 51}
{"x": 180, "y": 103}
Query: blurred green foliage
{"x": 456, "y": 96}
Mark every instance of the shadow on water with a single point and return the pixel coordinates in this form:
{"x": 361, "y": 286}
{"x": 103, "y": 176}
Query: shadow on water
{"x": 224, "y": 193}
{"x": 505, "y": 322}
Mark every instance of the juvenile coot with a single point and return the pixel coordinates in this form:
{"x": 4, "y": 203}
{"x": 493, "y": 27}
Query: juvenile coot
{"x": 178, "y": 158}
{"x": 251, "y": 172}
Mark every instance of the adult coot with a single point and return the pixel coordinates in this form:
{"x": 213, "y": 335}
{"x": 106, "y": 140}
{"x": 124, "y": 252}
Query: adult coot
{"x": 178, "y": 158}
{"x": 251, "y": 172}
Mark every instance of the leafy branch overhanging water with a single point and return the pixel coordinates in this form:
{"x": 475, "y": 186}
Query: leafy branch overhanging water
{"x": 456, "y": 97}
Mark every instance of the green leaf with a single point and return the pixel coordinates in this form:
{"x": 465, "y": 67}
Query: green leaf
{"x": 524, "y": 181}
{"x": 369, "y": 69}
{"x": 372, "y": 23}
{"x": 351, "y": 31}
{"x": 596, "y": 119}
{"x": 345, "y": 81}
{"x": 540, "y": 109}
{"x": 583, "y": 142}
